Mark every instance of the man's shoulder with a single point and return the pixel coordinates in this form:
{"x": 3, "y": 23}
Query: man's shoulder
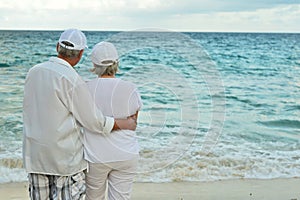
{"x": 56, "y": 70}
{"x": 38, "y": 67}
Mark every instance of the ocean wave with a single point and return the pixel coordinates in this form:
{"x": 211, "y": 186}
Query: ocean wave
{"x": 248, "y": 101}
{"x": 292, "y": 107}
{"x": 213, "y": 167}
{"x": 3, "y": 65}
{"x": 284, "y": 123}
{"x": 11, "y": 163}
{"x": 44, "y": 54}
{"x": 192, "y": 164}
{"x": 11, "y": 170}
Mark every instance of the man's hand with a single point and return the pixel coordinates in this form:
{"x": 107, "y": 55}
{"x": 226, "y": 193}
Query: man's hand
{"x": 129, "y": 123}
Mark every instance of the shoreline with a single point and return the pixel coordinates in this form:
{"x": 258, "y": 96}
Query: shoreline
{"x": 240, "y": 189}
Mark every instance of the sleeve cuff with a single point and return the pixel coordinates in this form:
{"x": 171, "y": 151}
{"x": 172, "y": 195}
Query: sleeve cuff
{"x": 109, "y": 124}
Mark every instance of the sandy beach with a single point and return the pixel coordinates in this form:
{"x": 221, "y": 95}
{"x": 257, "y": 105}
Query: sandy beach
{"x": 275, "y": 189}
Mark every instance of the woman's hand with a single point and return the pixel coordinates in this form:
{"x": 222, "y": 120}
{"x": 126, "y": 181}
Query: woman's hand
{"x": 130, "y": 123}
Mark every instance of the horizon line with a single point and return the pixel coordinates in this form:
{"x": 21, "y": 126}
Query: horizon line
{"x": 155, "y": 30}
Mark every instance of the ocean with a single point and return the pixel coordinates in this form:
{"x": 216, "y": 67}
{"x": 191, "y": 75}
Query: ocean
{"x": 216, "y": 105}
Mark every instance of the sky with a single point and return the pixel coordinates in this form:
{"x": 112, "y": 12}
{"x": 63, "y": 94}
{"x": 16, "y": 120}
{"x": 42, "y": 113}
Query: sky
{"x": 173, "y": 15}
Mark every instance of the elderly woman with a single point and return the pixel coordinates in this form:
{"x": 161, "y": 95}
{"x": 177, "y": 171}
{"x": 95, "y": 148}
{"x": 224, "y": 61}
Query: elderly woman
{"x": 112, "y": 159}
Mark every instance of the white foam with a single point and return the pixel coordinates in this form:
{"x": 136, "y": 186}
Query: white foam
{"x": 12, "y": 175}
{"x": 168, "y": 157}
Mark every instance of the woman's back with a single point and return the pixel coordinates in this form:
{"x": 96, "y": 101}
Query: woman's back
{"x": 118, "y": 99}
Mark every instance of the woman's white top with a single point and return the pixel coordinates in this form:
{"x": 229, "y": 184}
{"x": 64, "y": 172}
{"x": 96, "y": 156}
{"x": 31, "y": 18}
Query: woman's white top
{"x": 119, "y": 99}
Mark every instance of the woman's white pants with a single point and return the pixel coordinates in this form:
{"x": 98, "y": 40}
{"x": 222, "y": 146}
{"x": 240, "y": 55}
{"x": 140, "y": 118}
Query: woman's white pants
{"x": 114, "y": 177}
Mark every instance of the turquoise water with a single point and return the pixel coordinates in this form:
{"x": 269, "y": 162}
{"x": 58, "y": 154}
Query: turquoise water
{"x": 216, "y": 105}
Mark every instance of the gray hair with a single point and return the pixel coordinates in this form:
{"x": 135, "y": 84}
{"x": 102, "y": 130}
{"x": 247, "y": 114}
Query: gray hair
{"x": 105, "y": 70}
{"x": 68, "y": 53}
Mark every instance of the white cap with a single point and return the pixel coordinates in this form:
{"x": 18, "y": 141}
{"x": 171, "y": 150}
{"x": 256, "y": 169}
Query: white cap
{"x": 75, "y": 37}
{"x": 104, "y": 54}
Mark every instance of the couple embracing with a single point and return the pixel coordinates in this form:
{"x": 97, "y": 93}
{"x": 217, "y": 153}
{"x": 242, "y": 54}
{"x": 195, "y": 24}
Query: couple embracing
{"x": 79, "y": 137}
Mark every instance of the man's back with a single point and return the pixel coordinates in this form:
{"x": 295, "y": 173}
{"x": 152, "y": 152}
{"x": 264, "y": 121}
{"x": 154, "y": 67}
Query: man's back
{"x": 49, "y": 127}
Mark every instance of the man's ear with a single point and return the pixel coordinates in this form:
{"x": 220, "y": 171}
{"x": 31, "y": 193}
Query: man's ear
{"x": 81, "y": 53}
{"x": 57, "y": 46}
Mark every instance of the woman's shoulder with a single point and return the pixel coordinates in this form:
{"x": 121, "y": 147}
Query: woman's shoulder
{"x": 91, "y": 81}
{"x": 127, "y": 83}
{"x": 115, "y": 83}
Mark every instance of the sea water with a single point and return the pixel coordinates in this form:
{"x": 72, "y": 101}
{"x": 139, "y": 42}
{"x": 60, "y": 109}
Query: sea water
{"x": 216, "y": 105}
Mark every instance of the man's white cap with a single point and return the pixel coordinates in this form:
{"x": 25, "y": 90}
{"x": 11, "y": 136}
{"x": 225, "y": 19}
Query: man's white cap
{"x": 104, "y": 54}
{"x": 73, "y": 39}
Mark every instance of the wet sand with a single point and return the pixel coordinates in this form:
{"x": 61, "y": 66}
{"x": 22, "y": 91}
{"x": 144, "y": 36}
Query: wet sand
{"x": 249, "y": 189}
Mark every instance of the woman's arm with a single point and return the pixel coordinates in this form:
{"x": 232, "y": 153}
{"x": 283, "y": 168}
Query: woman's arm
{"x": 135, "y": 116}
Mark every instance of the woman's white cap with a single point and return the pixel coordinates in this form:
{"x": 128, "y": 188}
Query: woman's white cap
{"x": 74, "y": 37}
{"x": 104, "y": 54}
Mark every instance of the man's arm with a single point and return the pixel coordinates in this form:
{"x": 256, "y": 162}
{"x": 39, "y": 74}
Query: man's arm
{"x": 89, "y": 116}
{"x": 80, "y": 103}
